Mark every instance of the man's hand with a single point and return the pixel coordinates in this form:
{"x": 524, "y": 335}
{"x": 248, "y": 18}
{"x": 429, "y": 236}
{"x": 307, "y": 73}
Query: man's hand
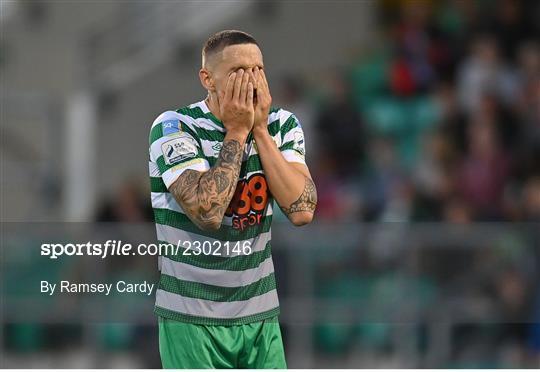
{"x": 236, "y": 104}
{"x": 263, "y": 99}
{"x": 204, "y": 196}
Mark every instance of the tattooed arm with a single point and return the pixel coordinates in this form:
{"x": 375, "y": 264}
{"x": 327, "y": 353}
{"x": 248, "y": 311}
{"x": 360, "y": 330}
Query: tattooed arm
{"x": 290, "y": 183}
{"x": 306, "y": 202}
{"x": 204, "y": 196}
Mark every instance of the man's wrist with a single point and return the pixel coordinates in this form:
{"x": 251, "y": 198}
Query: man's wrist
{"x": 260, "y": 129}
{"x": 239, "y": 135}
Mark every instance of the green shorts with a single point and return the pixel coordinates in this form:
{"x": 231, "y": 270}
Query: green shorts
{"x": 254, "y": 345}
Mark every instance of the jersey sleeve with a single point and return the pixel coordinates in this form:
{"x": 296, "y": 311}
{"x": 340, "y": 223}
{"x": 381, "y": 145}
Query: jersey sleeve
{"x": 293, "y": 146}
{"x": 175, "y": 148}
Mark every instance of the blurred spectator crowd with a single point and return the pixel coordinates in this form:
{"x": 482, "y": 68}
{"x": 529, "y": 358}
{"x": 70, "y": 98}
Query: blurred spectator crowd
{"x": 439, "y": 122}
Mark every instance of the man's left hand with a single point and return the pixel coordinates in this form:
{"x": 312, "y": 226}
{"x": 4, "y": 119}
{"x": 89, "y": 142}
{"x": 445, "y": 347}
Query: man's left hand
{"x": 263, "y": 100}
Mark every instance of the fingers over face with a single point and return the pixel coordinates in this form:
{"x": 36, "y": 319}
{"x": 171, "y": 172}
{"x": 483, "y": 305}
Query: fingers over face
{"x": 249, "y": 97}
{"x": 264, "y": 82}
{"x": 253, "y": 79}
{"x": 229, "y": 89}
{"x": 256, "y": 80}
{"x": 245, "y": 80}
{"x": 238, "y": 83}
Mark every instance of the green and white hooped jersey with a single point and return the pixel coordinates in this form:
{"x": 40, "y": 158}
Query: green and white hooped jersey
{"x": 221, "y": 277}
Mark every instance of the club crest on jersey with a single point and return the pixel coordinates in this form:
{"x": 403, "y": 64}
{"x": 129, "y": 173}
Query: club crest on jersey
{"x": 171, "y": 126}
{"x": 178, "y": 149}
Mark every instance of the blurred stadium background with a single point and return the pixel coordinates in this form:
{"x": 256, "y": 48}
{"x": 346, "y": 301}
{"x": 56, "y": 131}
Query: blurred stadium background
{"x": 418, "y": 115}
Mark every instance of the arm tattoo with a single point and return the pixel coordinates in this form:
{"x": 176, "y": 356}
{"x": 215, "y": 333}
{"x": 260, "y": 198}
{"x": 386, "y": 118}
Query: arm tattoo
{"x": 205, "y": 196}
{"x": 306, "y": 202}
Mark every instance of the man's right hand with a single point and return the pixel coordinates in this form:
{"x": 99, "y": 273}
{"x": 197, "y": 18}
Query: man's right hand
{"x": 236, "y": 104}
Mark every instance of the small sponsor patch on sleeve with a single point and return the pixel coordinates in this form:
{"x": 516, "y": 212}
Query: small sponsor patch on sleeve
{"x": 178, "y": 149}
{"x": 298, "y": 143}
{"x": 171, "y": 126}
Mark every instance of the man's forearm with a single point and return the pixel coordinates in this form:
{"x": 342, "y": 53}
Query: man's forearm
{"x": 293, "y": 190}
{"x": 205, "y": 196}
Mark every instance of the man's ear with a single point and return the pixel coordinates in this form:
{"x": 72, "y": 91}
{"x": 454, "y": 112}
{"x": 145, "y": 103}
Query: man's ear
{"x": 206, "y": 79}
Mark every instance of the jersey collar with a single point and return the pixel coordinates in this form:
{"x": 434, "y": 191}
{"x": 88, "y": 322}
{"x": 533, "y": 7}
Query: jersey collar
{"x": 208, "y": 113}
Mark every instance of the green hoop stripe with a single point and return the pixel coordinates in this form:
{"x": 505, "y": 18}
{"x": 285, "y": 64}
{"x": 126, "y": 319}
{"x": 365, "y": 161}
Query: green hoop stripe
{"x": 216, "y": 293}
{"x": 252, "y": 164}
{"x": 185, "y": 318}
{"x": 273, "y": 128}
{"x": 287, "y": 126}
{"x": 287, "y": 146}
{"x": 197, "y": 113}
{"x": 157, "y": 185}
{"x": 226, "y": 233}
{"x": 204, "y": 134}
{"x": 236, "y": 263}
